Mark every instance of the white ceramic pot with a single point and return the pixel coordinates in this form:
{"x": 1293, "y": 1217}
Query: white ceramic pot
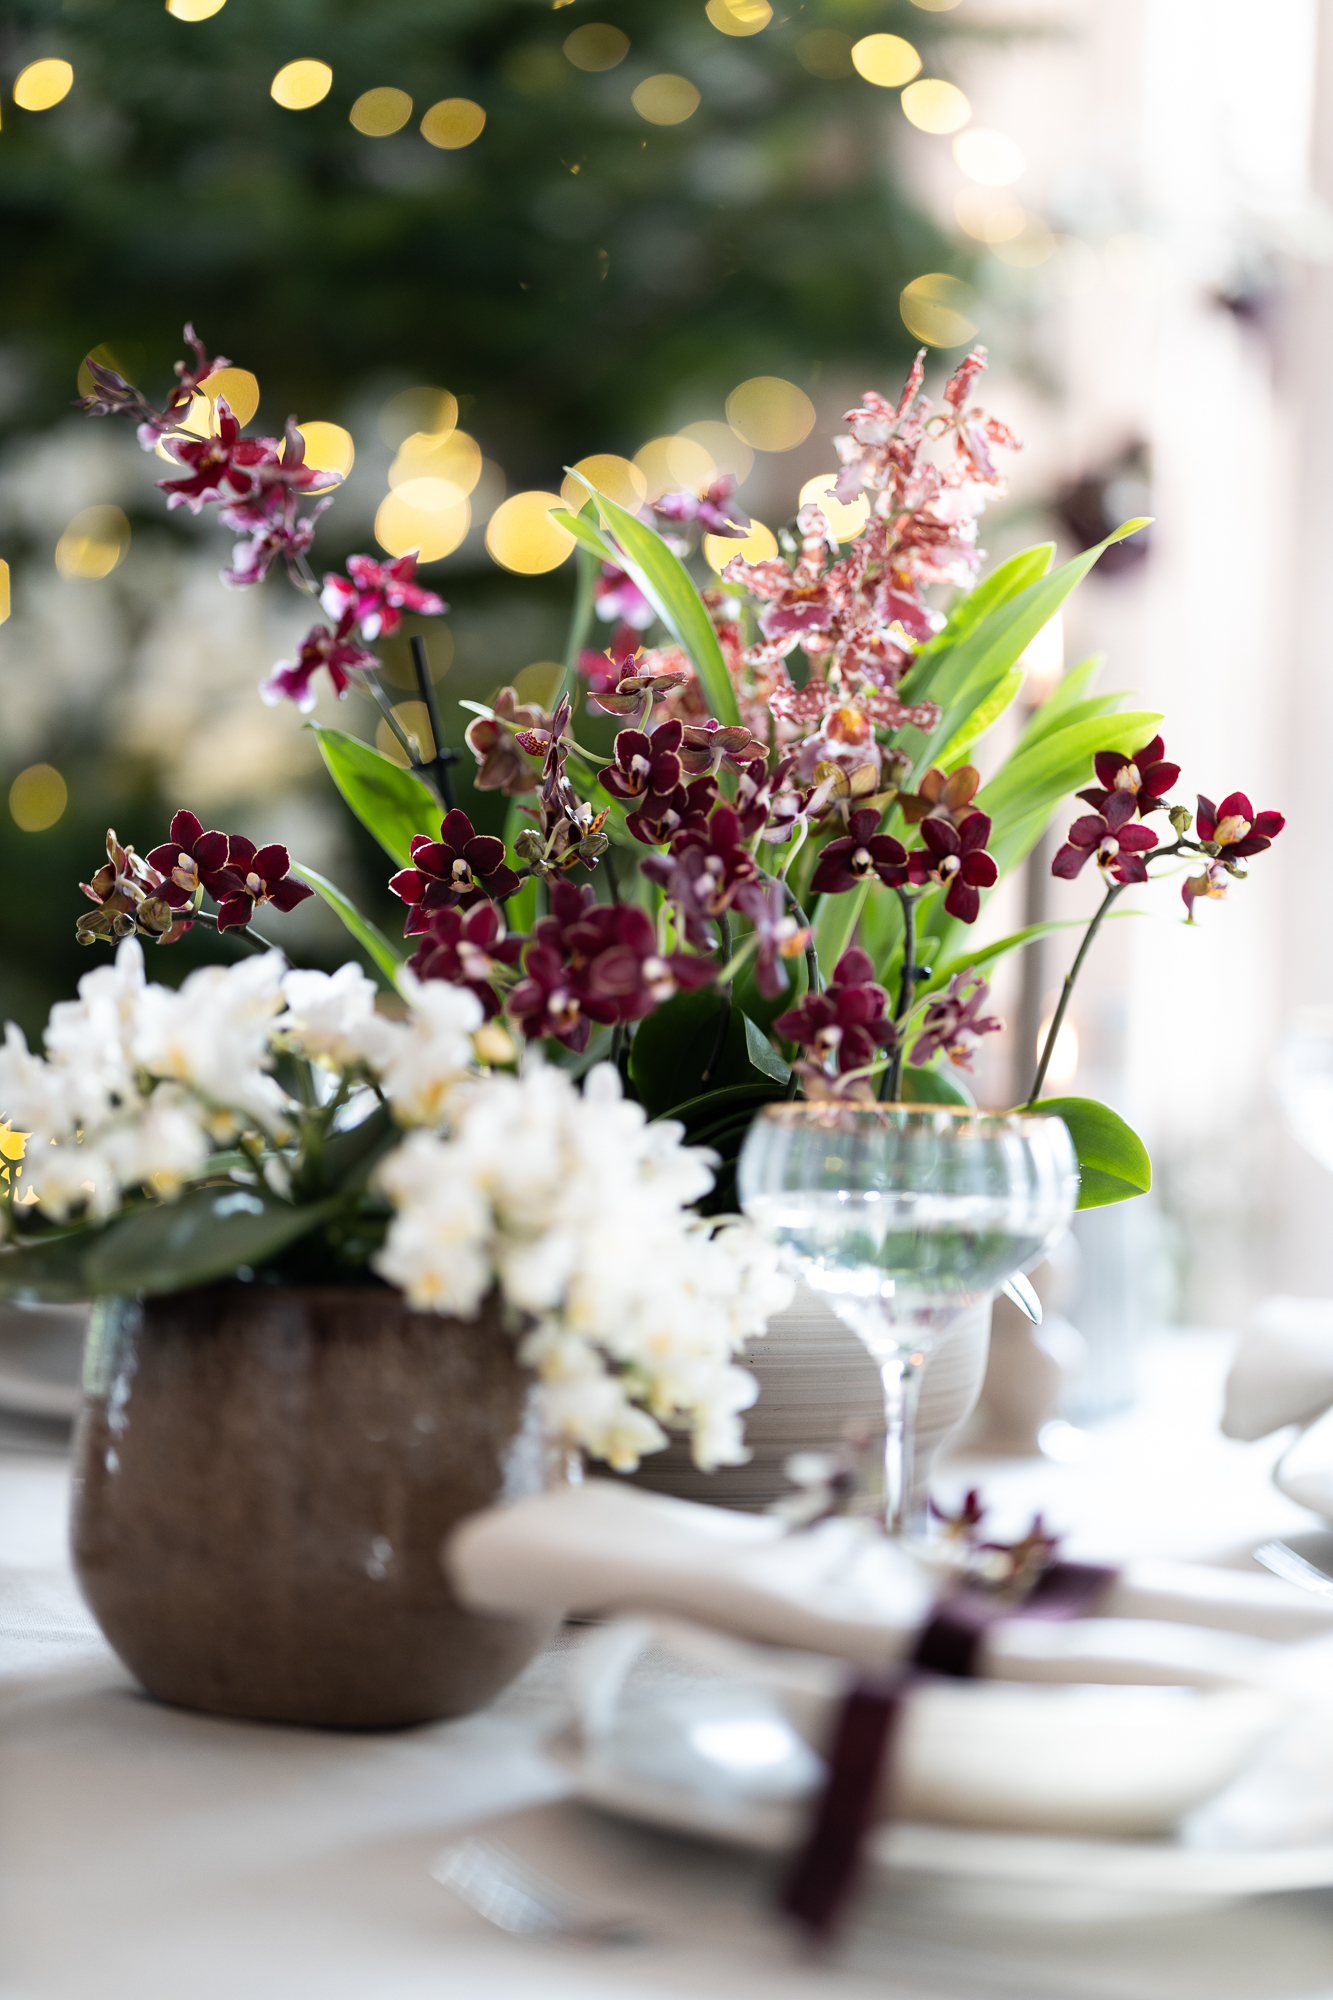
{"x": 816, "y": 1382}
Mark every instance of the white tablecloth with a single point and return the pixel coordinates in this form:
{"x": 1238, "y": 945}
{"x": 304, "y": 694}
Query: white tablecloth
{"x": 148, "y": 1854}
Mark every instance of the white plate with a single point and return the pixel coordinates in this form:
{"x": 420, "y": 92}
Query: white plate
{"x": 41, "y": 1359}
{"x": 1157, "y": 1868}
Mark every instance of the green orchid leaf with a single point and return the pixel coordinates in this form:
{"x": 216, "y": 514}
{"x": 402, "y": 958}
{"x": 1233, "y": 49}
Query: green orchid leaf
{"x": 206, "y": 1235}
{"x": 835, "y": 918}
{"x": 385, "y": 957}
{"x": 48, "y": 1269}
{"x": 716, "y": 1109}
{"x": 1113, "y": 1163}
{"x": 1004, "y": 583}
{"x": 674, "y": 1044}
{"x": 390, "y": 802}
{"x": 1059, "y": 763}
{"x": 978, "y": 959}
{"x": 1069, "y": 692}
{"x": 980, "y": 720}
{"x": 671, "y": 591}
{"x": 934, "y": 1084}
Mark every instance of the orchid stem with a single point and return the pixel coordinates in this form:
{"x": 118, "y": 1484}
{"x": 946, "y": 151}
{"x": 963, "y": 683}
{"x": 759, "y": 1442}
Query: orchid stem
{"x": 1057, "y": 1021}
{"x": 892, "y": 1080}
{"x": 438, "y": 768}
{"x": 391, "y": 717}
{"x": 580, "y": 621}
{"x": 724, "y": 1017}
{"x": 242, "y": 933}
{"x": 794, "y": 905}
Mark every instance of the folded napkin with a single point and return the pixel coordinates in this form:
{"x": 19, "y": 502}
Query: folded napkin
{"x": 838, "y": 1589}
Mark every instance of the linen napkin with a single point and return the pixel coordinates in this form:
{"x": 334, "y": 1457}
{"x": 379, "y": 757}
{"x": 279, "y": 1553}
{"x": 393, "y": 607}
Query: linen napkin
{"x": 837, "y": 1589}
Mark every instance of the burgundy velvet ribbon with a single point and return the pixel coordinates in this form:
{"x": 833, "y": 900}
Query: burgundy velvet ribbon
{"x": 827, "y": 1866}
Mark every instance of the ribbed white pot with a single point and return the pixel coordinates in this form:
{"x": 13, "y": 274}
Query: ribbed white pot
{"x": 815, "y": 1382}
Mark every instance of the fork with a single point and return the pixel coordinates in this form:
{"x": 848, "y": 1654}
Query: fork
{"x": 1285, "y": 1562}
{"x": 495, "y": 1883}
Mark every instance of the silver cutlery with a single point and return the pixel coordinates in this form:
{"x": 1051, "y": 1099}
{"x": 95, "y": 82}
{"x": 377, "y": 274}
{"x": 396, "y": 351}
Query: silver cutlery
{"x": 1285, "y": 1562}
{"x": 499, "y": 1887}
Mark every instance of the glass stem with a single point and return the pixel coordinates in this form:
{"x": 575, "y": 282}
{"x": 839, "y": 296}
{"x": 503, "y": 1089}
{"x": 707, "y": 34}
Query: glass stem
{"x": 900, "y": 1377}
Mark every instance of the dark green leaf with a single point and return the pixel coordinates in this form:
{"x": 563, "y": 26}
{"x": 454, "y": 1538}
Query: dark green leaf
{"x": 1113, "y": 1163}
{"x": 47, "y": 1269}
{"x": 671, "y": 591}
{"x": 206, "y": 1235}
{"x": 386, "y": 957}
{"x": 390, "y": 802}
{"x": 1028, "y": 566}
{"x": 349, "y": 1156}
{"x": 934, "y": 1085}
{"x": 673, "y": 1046}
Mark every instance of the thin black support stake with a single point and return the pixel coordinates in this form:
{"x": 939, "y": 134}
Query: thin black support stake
{"x": 437, "y": 770}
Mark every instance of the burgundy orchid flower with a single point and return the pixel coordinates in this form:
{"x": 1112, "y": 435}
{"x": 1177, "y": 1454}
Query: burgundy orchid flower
{"x": 847, "y": 1020}
{"x": 227, "y": 459}
{"x": 645, "y": 767}
{"x": 615, "y": 595}
{"x": 685, "y": 810}
{"x": 1235, "y": 828}
{"x": 113, "y": 396}
{"x": 955, "y": 1022}
{"x": 706, "y": 867}
{"x": 860, "y": 854}
{"x": 374, "y": 595}
{"x": 707, "y": 745}
{"x": 1144, "y": 775}
{"x": 628, "y": 683}
{"x": 596, "y": 963}
{"x": 467, "y": 947}
{"x": 1210, "y": 881}
{"x": 188, "y": 860}
{"x": 956, "y": 855}
{"x": 251, "y": 877}
{"x": 461, "y": 868}
{"x": 1117, "y": 839}
{"x": 494, "y": 742}
{"x": 781, "y": 935}
{"x": 340, "y": 656}
{"x": 714, "y": 508}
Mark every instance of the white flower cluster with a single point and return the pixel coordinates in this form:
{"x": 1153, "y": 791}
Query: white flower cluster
{"x": 576, "y": 1207}
{"x": 418, "y": 1062}
{"x": 139, "y": 1081}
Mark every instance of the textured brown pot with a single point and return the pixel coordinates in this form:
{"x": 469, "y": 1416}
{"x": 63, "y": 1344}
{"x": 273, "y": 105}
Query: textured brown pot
{"x": 263, "y": 1479}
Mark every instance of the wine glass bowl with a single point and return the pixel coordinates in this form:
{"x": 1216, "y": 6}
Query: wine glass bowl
{"x": 903, "y": 1216}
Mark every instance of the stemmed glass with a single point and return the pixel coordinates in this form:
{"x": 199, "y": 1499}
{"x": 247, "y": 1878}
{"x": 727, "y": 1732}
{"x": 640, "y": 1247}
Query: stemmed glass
{"x": 904, "y": 1216}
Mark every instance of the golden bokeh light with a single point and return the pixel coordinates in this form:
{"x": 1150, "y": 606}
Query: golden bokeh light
{"x": 886, "y": 60}
{"x": 522, "y": 536}
{"x": 770, "y": 414}
{"x": 826, "y": 52}
{"x": 4, "y": 591}
{"x": 432, "y": 410}
{"x": 936, "y": 6}
{"x": 452, "y": 123}
{"x": 990, "y": 217}
{"x": 1028, "y": 247}
{"x": 396, "y": 662}
{"x": 108, "y": 358}
{"x": 597, "y": 45}
{"x": 845, "y": 518}
{"x": 433, "y": 473}
{"x": 381, "y": 111}
{"x": 992, "y": 158}
{"x": 936, "y": 106}
{"x": 328, "y": 447}
{"x": 94, "y": 542}
{"x": 728, "y": 452}
{"x": 37, "y": 798}
{"x": 739, "y": 17}
{"x": 539, "y": 682}
{"x": 758, "y": 545}
{"x": 195, "y": 10}
{"x": 414, "y": 718}
{"x": 298, "y": 85}
{"x": 240, "y": 388}
{"x": 618, "y": 478}
{"x": 43, "y": 84}
{"x": 939, "y": 309}
{"x": 433, "y": 532}
{"x": 669, "y": 464}
{"x": 665, "y": 99}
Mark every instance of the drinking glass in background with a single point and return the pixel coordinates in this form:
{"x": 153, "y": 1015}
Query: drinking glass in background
{"x": 1303, "y": 1075}
{"x": 903, "y": 1218}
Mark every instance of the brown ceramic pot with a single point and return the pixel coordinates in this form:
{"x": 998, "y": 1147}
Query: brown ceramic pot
{"x": 263, "y": 1479}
